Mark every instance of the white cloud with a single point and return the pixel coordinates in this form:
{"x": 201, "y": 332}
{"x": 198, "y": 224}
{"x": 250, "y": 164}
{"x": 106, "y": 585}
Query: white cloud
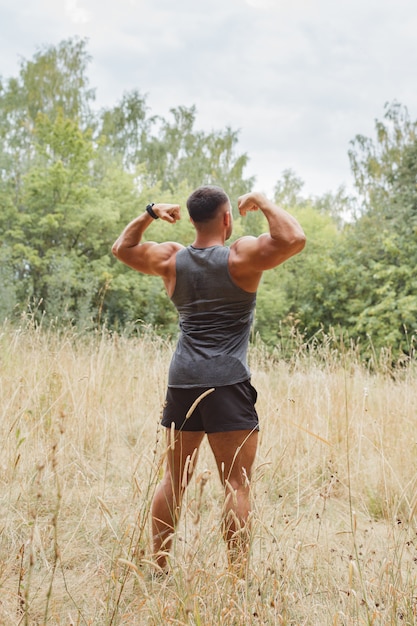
{"x": 76, "y": 13}
{"x": 261, "y": 4}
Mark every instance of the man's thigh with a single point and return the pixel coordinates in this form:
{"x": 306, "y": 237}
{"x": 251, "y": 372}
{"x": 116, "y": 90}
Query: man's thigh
{"x": 181, "y": 455}
{"x": 235, "y": 453}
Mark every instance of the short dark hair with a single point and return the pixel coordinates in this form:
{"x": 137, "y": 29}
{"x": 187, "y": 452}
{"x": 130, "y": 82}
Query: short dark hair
{"x": 203, "y": 203}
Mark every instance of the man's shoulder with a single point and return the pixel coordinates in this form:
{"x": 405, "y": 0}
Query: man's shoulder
{"x": 242, "y": 244}
{"x": 171, "y": 247}
{"x": 242, "y": 240}
{"x": 164, "y": 256}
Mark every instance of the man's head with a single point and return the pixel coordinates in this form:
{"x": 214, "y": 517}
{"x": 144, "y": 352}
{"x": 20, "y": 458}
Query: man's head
{"x": 209, "y": 208}
{"x": 205, "y": 202}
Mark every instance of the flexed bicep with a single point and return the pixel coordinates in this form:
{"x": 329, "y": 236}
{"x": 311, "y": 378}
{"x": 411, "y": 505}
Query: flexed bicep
{"x": 147, "y": 257}
{"x": 284, "y": 239}
{"x": 150, "y": 257}
{"x": 250, "y": 256}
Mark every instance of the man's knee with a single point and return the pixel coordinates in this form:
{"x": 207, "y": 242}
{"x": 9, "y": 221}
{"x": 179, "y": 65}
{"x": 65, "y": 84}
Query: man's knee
{"x": 239, "y": 483}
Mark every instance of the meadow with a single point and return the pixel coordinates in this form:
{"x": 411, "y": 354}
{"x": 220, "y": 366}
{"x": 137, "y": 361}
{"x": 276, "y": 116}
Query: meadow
{"x": 334, "y": 490}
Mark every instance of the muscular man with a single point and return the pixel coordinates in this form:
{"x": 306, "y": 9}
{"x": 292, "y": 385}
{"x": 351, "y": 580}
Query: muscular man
{"x": 213, "y": 287}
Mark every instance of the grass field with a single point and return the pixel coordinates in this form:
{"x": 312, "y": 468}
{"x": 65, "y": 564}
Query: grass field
{"x": 334, "y": 525}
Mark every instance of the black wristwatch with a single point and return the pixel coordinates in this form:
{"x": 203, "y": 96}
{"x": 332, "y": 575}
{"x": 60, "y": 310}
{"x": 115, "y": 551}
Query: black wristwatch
{"x": 151, "y": 212}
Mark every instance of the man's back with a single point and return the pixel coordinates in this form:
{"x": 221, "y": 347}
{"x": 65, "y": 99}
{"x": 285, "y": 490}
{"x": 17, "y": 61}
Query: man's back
{"x": 215, "y": 317}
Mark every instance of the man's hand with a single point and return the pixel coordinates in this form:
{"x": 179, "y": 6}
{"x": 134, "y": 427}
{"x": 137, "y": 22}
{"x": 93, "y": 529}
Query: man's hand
{"x": 168, "y": 212}
{"x": 250, "y": 202}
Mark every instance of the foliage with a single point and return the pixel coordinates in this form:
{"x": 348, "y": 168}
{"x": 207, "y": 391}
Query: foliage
{"x": 173, "y": 150}
{"x": 357, "y": 275}
{"x": 72, "y": 177}
{"x": 383, "y": 241}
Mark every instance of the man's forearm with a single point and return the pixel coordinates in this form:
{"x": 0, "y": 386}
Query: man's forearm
{"x": 282, "y": 225}
{"x": 132, "y": 234}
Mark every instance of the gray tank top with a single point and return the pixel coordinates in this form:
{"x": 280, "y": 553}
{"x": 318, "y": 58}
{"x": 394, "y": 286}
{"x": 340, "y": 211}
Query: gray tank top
{"x": 215, "y": 319}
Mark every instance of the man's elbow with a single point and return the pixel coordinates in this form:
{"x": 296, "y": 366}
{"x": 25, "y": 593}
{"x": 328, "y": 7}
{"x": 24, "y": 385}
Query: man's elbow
{"x": 298, "y": 243}
{"x": 302, "y": 240}
{"x": 115, "y": 249}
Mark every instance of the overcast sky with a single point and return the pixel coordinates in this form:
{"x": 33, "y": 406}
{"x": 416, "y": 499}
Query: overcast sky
{"x": 299, "y": 78}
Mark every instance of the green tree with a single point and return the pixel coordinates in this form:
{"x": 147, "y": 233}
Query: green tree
{"x": 54, "y": 82}
{"x": 49, "y": 88}
{"x": 125, "y": 128}
{"x": 173, "y": 151}
{"x": 383, "y": 241}
{"x": 61, "y": 234}
{"x": 71, "y": 178}
{"x": 287, "y": 190}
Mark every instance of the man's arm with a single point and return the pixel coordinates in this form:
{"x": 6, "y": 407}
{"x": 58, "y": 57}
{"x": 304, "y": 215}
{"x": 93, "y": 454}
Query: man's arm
{"x": 149, "y": 257}
{"x": 250, "y": 256}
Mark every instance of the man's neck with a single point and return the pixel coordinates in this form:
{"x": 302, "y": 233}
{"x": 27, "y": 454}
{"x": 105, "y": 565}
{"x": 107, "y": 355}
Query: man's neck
{"x": 208, "y": 241}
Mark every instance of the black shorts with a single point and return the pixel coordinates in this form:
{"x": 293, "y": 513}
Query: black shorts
{"x": 227, "y": 408}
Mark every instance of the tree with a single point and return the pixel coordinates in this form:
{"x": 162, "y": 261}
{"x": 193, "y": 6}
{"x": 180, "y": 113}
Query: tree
{"x": 53, "y": 83}
{"x": 383, "y": 241}
{"x": 125, "y": 128}
{"x": 173, "y": 151}
{"x": 61, "y": 234}
{"x": 287, "y": 190}
{"x": 376, "y": 163}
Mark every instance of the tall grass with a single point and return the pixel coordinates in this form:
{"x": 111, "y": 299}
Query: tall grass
{"x": 335, "y": 498}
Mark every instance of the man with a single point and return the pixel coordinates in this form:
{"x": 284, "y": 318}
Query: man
{"x": 209, "y": 391}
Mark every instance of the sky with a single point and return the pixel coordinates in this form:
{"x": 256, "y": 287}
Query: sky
{"x": 299, "y": 79}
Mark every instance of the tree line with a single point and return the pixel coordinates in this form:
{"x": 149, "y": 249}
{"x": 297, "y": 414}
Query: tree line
{"x": 73, "y": 175}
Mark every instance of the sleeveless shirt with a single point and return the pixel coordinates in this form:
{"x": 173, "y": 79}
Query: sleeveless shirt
{"x": 215, "y": 319}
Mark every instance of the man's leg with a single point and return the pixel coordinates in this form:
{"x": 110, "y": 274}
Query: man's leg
{"x": 235, "y": 454}
{"x": 166, "y": 504}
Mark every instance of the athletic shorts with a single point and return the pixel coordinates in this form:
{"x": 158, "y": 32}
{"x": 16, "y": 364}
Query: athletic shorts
{"x": 227, "y": 408}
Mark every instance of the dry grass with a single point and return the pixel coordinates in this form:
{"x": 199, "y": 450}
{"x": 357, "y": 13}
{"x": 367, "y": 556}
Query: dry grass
{"x": 335, "y": 496}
